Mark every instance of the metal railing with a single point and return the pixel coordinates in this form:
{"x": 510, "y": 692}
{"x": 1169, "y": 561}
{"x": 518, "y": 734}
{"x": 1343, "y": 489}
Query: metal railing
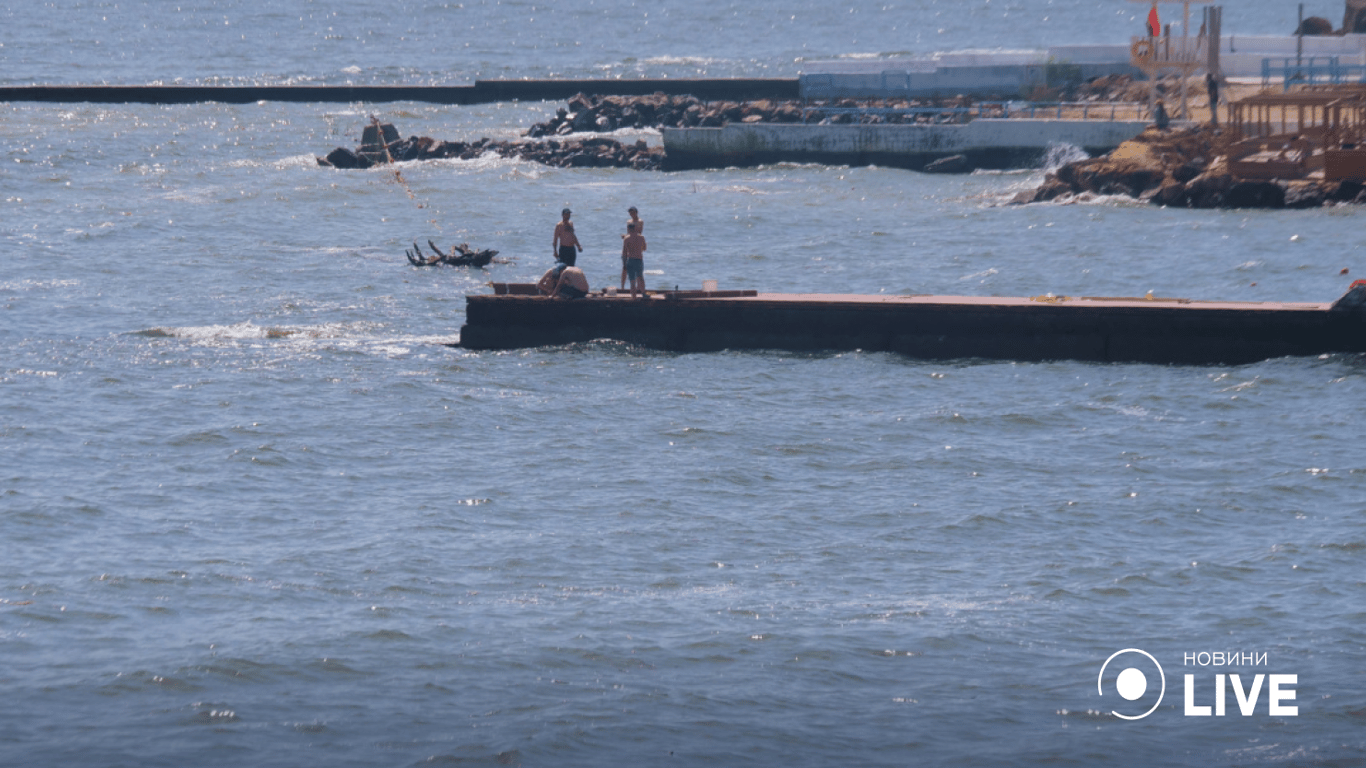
{"x": 1104, "y": 110}
{"x": 1310, "y": 70}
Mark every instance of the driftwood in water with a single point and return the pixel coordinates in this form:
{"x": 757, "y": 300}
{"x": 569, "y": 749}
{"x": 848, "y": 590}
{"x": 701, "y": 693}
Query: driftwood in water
{"x": 460, "y": 256}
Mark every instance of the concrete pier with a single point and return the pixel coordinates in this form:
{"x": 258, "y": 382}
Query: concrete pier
{"x": 481, "y": 92}
{"x": 987, "y": 143}
{"x": 1101, "y": 329}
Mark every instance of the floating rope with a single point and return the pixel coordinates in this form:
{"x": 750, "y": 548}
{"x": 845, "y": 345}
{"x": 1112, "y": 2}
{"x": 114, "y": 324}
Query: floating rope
{"x": 398, "y": 176}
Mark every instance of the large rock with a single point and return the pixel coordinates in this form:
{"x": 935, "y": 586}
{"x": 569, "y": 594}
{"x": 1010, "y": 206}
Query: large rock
{"x": 1051, "y": 189}
{"x": 1303, "y": 194}
{"x": 1208, "y": 189}
{"x": 343, "y": 158}
{"x": 1255, "y": 193}
{"x": 1171, "y": 193}
{"x": 1343, "y": 191}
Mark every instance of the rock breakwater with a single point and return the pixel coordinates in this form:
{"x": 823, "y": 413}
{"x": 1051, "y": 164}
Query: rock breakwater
{"x": 381, "y": 144}
{"x": 602, "y": 114}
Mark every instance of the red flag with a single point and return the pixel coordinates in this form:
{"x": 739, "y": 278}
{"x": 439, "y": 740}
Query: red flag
{"x": 1154, "y": 26}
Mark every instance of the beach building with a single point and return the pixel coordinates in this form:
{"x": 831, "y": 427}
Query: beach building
{"x": 1190, "y": 39}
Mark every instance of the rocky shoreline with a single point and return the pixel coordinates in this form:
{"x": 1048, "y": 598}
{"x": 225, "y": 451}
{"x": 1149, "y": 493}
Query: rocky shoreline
{"x": 1186, "y": 168}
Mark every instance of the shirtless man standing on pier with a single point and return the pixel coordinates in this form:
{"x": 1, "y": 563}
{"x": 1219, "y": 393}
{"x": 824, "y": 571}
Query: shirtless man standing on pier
{"x": 564, "y": 243}
{"x": 640, "y": 230}
{"x": 633, "y": 256}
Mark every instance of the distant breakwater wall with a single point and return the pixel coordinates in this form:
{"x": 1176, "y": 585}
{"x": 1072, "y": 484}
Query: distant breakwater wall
{"x": 481, "y": 92}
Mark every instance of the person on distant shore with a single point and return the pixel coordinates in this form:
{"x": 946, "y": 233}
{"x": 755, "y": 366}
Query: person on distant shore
{"x": 1160, "y": 118}
{"x": 633, "y": 256}
{"x": 640, "y": 230}
{"x": 1212, "y": 88}
{"x": 565, "y": 244}
{"x": 563, "y": 281}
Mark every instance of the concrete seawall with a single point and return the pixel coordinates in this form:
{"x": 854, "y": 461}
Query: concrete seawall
{"x": 933, "y": 327}
{"x": 987, "y": 143}
{"x": 1013, "y": 75}
{"x": 483, "y": 91}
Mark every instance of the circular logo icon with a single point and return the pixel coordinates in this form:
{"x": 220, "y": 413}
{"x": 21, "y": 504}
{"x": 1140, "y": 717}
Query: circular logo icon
{"x": 1131, "y": 683}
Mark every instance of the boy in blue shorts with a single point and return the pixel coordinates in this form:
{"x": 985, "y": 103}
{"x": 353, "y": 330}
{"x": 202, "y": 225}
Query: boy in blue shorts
{"x": 633, "y": 258}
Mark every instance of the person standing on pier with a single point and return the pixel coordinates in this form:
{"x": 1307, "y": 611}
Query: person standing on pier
{"x": 640, "y": 230}
{"x": 633, "y": 256}
{"x": 565, "y": 244}
{"x": 1212, "y": 88}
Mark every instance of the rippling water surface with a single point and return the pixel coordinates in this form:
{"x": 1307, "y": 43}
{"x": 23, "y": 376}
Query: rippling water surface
{"x": 253, "y": 511}
{"x": 432, "y": 41}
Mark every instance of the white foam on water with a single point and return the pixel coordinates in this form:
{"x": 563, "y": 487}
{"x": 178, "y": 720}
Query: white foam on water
{"x": 1059, "y": 155}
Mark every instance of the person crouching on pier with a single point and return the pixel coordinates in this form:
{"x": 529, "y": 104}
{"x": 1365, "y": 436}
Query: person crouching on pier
{"x": 565, "y": 243}
{"x": 563, "y": 282}
{"x": 633, "y": 257}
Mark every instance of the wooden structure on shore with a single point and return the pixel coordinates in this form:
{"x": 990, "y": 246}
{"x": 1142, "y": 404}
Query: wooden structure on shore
{"x": 1316, "y": 131}
{"x": 1160, "y": 52}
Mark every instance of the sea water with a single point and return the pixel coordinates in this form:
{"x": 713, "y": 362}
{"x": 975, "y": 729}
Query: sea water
{"x": 254, "y": 511}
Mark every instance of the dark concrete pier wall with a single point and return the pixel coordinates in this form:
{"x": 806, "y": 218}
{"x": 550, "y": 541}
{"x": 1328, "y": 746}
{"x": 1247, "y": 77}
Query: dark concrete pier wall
{"x": 1104, "y": 330}
{"x": 483, "y": 91}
